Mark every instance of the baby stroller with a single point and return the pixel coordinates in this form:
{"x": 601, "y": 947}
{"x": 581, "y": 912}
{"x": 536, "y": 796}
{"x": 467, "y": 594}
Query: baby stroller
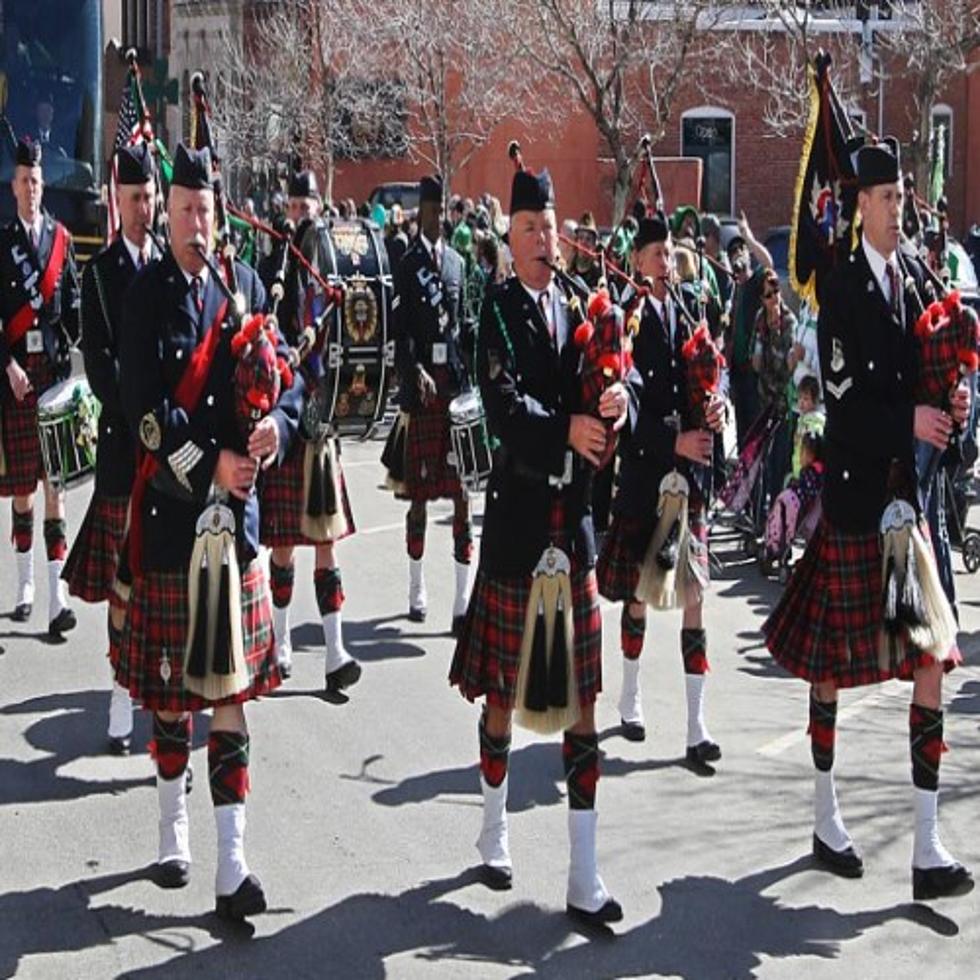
{"x": 794, "y": 515}
{"x": 960, "y": 495}
{"x": 744, "y": 491}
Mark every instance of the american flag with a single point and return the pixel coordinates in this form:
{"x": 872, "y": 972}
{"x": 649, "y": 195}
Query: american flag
{"x": 134, "y": 127}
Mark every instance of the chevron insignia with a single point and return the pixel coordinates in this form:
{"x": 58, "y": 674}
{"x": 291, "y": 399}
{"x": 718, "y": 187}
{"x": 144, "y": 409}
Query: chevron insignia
{"x": 839, "y": 390}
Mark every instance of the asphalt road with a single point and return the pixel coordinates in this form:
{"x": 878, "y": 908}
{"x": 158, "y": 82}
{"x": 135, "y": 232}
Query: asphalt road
{"x": 364, "y": 812}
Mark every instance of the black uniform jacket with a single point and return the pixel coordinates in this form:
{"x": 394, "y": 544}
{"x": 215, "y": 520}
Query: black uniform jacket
{"x": 427, "y": 310}
{"x": 868, "y": 362}
{"x": 647, "y": 451}
{"x": 161, "y": 328}
{"x": 104, "y": 283}
{"x": 529, "y": 391}
{"x": 58, "y": 319}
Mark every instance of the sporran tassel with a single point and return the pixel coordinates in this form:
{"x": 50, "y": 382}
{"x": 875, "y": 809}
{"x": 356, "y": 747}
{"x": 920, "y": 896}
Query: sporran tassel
{"x": 658, "y": 582}
{"x": 323, "y": 518}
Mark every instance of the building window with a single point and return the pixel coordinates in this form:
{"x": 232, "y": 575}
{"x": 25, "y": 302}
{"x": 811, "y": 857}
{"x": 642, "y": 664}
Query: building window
{"x": 709, "y": 133}
{"x": 942, "y": 116}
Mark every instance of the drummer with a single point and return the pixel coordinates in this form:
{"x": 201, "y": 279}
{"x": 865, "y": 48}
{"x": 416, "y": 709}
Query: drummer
{"x": 39, "y": 311}
{"x": 428, "y": 311}
{"x": 284, "y": 491}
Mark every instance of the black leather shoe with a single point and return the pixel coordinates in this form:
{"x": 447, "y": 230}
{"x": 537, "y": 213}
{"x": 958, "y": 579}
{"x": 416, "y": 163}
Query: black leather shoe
{"x": 172, "y": 874}
{"x": 22, "y": 613}
{"x": 706, "y": 751}
{"x": 944, "y": 882}
{"x": 417, "y": 615}
{"x": 457, "y": 627}
{"x": 632, "y": 731}
{"x": 497, "y": 879}
{"x": 188, "y": 779}
{"x": 612, "y": 911}
{"x": 846, "y": 863}
{"x": 346, "y": 676}
{"x": 62, "y": 623}
{"x": 286, "y": 670}
{"x": 119, "y": 746}
{"x": 248, "y": 900}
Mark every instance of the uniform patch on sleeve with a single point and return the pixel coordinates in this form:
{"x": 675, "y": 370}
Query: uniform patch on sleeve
{"x": 837, "y": 356}
{"x": 150, "y": 434}
{"x": 839, "y": 390}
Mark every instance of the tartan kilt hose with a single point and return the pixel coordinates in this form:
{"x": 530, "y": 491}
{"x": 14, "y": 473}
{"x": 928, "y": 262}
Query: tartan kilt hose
{"x": 428, "y": 473}
{"x": 828, "y": 624}
{"x": 21, "y": 440}
{"x": 117, "y": 604}
{"x": 90, "y": 568}
{"x": 618, "y": 565}
{"x": 157, "y": 621}
{"x": 281, "y": 502}
{"x": 488, "y": 652}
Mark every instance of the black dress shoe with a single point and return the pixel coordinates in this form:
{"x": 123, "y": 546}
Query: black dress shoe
{"x": 248, "y": 900}
{"x": 457, "y": 627}
{"x": 497, "y": 879}
{"x": 22, "y": 612}
{"x": 612, "y": 911}
{"x": 944, "y": 882}
{"x": 706, "y": 751}
{"x": 346, "y": 676}
{"x": 62, "y": 623}
{"x": 172, "y": 874}
{"x": 286, "y": 670}
{"x": 417, "y": 615}
{"x": 119, "y": 746}
{"x": 846, "y": 863}
{"x": 188, "y": 778}
{"x": 633, "y": 731}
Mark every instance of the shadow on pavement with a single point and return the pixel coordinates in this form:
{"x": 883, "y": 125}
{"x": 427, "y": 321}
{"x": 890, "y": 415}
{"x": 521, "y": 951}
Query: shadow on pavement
{"x": 368, "y": 640}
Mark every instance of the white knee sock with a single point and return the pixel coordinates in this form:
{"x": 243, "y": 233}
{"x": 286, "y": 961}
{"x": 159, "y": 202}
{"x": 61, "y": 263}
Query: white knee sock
{"x": 232, "y": 870}
{"x": 25, "y": 577}
{"x": 630, "y": 699}
{"x": 57, "y": 600}
{"x": 697, "y": 731}
{"x": 461, "y": 601}
{"x": 280, "y": 627}
{"x": 174, "y": 824}
{"x": 337, "y": 656}
{"x": 828, "y": 824}
{"x": 927, "y": 848}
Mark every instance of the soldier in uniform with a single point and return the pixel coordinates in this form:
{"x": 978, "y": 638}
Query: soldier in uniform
{"x": 665, "y": 440}
{"x": 94, "y": 559}
{"x": 39, "y": 302}
{"x": 537, "y": 520}
{"x": 196, "y": 638}
{"x": 283, "y": 499}
{"x": 830, "y": 625}
{"x": 428, "y": 310}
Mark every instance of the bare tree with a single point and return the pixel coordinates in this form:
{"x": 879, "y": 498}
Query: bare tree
{"x": 620, "y": 61}
{"x": 931, "y": 46}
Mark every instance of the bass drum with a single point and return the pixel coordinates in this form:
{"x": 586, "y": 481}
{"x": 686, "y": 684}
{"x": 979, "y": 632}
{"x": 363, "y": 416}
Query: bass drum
{"x": 357, "y": 355}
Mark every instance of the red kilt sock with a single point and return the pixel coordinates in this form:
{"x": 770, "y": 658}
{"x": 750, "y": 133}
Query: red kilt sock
{"x": 171, "y": 746}
{"x": 580, "y": 754}
{"x": 494, "y": 755}
{"x": 228, "y": 767}
{"x": 22, "y": 529}
{"x": 415, "y": 531}
{"x": 631, "y": 633}
{"x": 281, "y": 581}
{"x": 56, "y": 538}
{"x": 823, "y": 732}
{"x": 926, "y": 745}
{"x": 694, "y": 650}
{"x": 462, "y": 535}
{"x": 329, "y": 590}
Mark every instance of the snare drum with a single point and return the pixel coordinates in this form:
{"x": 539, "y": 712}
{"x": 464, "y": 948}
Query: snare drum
{"x": 68, "y": 426}
{"x": 470, "y": 452}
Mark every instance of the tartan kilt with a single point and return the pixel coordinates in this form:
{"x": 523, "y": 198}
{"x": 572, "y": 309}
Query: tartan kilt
{"x": 428, "y": 473}
{"x": 488, "y": 652}
{"x": 618, "y": 565}
{"x": 281, "y": 501}
{"x": 116, "y": 603}
{"x": 157, "y": 620}
{"x": 90, "y": 568}
{"x": 828, "y": 624}
{"x": 21, "y": 439}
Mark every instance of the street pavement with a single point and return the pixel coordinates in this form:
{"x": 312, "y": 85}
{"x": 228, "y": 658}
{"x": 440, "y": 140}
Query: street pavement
{"x": 364, "y": 811}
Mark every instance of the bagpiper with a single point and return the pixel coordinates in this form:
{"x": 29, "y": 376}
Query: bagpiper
{"x": 198, "y": 630}
{"x": 532, "y": 637}
{"x": 93, "y": 563}
{"x": 427, "y": 313}
{"x": 838, "y": 625}
{"x": 39, "y": 311}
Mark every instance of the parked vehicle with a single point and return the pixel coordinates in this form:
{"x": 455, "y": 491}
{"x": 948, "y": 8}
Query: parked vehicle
{"x": 403, "y": 193}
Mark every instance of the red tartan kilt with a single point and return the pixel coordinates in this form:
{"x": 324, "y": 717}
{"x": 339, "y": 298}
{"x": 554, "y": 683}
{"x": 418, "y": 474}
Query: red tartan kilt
{"x": 428, "y": 473}
{"x": 21, "y": 441}
{"x": 828, "y": 623}
{"x": 618, "y": 567}
{"x": 281, "y": 501}
{"x": 157, "y": 620}
{"x": 91, "y": 566}
{"x": 116, "y": 603}
{"x": 488, "y": 652}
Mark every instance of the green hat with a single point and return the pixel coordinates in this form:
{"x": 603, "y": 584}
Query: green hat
{"x": 462, "y": 237}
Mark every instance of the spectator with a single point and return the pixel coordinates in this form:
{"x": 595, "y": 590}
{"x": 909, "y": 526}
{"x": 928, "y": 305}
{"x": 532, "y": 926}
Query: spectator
{"x": 804, "y": 358}
{"x": 810, "y": 418}
{"x": 565, "y": 247}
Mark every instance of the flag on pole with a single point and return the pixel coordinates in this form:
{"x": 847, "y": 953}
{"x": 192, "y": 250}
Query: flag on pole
{"x": 134, "y": 127}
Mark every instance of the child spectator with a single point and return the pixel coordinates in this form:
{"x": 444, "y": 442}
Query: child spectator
{"x": 810, "y": 418}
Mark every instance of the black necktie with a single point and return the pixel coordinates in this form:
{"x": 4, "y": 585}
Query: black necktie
{"x": 196, "y": 292}
{"x": 893, "y": 284}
